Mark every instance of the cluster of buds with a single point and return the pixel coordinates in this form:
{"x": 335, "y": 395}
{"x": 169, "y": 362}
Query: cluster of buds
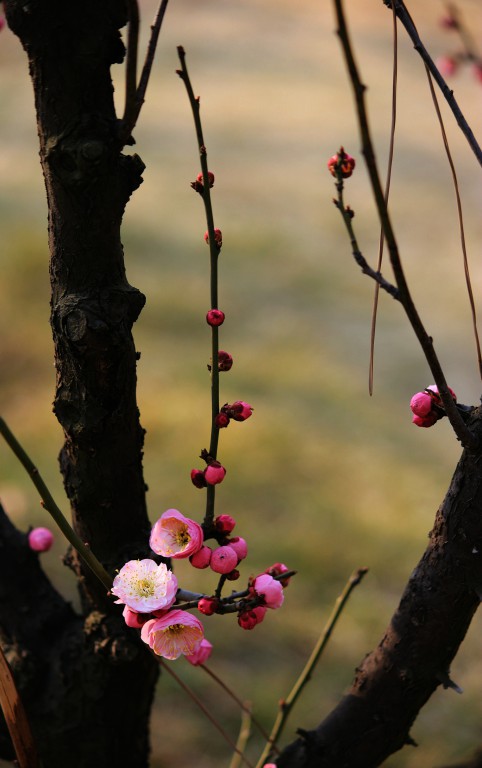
{"x": 341, "y": 165}
{"x": 229, "y": 553}
{"x": 238, "y": 411}
{"x": 427, "y": 406}
{"x": 212, "y": 475}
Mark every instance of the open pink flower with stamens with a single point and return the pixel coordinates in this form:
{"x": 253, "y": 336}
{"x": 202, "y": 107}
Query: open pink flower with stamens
{"x": 202, "y": 653}
{"x": 176, "y": 536}
{"x": 270, "y": 590}
{"x": 145, "y": 586}
{"x": 174, "y": 634}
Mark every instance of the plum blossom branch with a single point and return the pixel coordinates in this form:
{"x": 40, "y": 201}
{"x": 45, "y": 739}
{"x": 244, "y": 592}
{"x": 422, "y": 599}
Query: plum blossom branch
{"x": 286, "y": 705}
{"x": 49, "y": 504}
{"x": 466, "y": 437}
{"x": 412, "y": 32}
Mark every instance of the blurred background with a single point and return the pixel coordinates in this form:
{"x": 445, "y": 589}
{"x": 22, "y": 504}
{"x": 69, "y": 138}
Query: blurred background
{"x": 323, "y": 477}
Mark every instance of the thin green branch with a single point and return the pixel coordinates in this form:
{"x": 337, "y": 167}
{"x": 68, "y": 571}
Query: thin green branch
{"x": 448, "y": 94}
{"x": 287, "y": 704}
{"x": 49, "y": 504}
{"x": 203, "y": 709}
{"x": 244, "y": 734}
{"x": 466, "y": 437}
{"x": 214, "y": 250}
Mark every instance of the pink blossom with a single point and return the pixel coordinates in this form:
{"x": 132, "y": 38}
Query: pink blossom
{"x": 145, "y": 586}
{"x": 174, "y": 634}
{"x": 214, "y": 473}
{"x": 135, "y": 619}
{"x": 421, "y": 404}
{"x": 202, "y": 653}
{"x": 224, "y": 523}
{"x": 176, "y": 536}
{"x": 249, "y": 619}
{"x": 270, "y": 590}
{"x": 40, "y": 539}
{"x": 201, "y": 558}
{"x": 240, "y": 547}
{"x": 223, "y": 560}
{"x": 215, "y": 317}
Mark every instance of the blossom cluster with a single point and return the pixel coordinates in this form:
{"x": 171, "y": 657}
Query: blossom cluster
{"x": 151, "y": 597}
{"x": 427, "y": 407}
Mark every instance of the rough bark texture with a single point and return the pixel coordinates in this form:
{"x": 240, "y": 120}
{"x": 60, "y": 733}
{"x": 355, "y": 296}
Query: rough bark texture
{"x": 87, "y": 680}
{"x": 413, "y": 658}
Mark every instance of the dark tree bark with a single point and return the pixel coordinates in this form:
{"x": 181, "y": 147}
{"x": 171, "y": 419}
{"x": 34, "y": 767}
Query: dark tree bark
{"x": 414, "y": 656}
{"x": 87, "y": 680}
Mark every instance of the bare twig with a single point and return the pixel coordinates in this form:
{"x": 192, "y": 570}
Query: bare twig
{"x": 287, "y": 704}
{"x": 387, "y": 194}
{"x": 463, "y": 433}
{"x": 461, "y": 221}
{"x": 203, "y": 709}
{"x": 49, "y": 504}
{"x": 135, "y": 95}
{"x": 412, "y": 32}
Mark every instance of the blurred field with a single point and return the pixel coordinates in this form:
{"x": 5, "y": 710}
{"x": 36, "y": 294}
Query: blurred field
{"x": 323, "y": 477}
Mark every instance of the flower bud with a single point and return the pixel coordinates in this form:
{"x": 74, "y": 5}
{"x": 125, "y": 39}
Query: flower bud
{"x": 249, "y": 619}
{"x": 447, "y": 65}
{"x": 223, "y": 560}
{"x": 215, "y": 317}
{"x": 214, "y": 473}
{"x": 207, "y": 605}
{"x": 341, "y": 164}
{"x": 40, "y": 539}
{"x": 201, "y": 558}
{"x": 222, "y": 420}
{"x": 240, "y": 547}
{"x": 224, "y": 523}
{"x": 197, "y": 478}
{"x": 233, "y": 575}
{"x": 200, "y": 178}
{"x": 134, "y": 619}
{"x": 240, "y": 411}
{"x": 421, "y": 404}
{"x": 225, "y": 360}
{"x": 276, "y": 570}
{"x": 218, "y": 237}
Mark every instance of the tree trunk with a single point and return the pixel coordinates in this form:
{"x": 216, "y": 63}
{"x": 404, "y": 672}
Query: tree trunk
{"x": 413, "y": 658}
{"x": 98, "y": 678}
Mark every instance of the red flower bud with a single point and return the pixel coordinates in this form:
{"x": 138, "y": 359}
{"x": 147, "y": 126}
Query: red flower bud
{"x": 341, "y": 164}
{"x": 200, "y": 178}
{"x": 207, "y": 605}
{"x": 218, "y": 237}
{"x": 222, "y": 420}
{"x": 224, "y": 523}
{"x": 214, "y": 473}
{"x": 197, "y": 478}
{"x": 215, "y": 317}
{"x": 225, "y": 360}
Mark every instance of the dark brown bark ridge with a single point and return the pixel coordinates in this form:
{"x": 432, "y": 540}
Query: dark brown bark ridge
{"x": 414, "y": 656}
{"x": 87, "y": 681}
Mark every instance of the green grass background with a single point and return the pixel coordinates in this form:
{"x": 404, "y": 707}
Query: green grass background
{"x": 323, "y": 477}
